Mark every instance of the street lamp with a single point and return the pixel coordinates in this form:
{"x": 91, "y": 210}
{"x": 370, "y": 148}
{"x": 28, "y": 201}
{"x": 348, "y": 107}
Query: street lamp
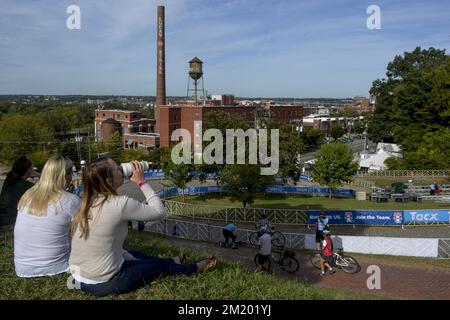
{"x": 350, "y": 127}
{"x": 78, "y": 140}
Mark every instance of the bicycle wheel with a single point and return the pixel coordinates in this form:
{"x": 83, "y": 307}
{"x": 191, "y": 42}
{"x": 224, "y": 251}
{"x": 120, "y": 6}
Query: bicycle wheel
{"x": 266, "y": 266}
{"x": 315, "y": 260}
{"x": 289, "y": 264}
{"x": 278, "y": 239}
{"x": 349, "y": 264}
{"x": 253, "y": 238}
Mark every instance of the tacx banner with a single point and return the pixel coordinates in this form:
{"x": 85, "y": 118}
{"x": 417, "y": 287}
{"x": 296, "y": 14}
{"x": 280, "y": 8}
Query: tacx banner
{"x": 359, "y": 217}
{"x": 427, "y": 216}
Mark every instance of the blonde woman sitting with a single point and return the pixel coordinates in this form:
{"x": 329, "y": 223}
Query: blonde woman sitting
{"x": 42, "y": 230}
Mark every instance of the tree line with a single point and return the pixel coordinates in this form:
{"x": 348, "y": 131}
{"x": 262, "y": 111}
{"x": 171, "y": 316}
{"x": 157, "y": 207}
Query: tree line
{"x": 413, "y": 109}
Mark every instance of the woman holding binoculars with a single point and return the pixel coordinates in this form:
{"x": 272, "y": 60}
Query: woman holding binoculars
{"x": 98, "y": 261}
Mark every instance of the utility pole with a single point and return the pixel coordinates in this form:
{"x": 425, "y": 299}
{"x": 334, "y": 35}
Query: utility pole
{"x": 78, "y": 148}
{"x": 78, "y": 140}
{"x": 98, "y": 150}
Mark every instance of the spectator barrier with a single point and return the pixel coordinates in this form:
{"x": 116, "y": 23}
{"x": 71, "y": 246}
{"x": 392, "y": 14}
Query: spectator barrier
{"x": 415, "y": 247}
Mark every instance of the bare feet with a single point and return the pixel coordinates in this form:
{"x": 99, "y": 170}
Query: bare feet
{"x": 179, "y": 259}
{"x": 206, "y": 264}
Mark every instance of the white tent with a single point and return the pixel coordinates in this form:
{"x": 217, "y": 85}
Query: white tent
{"x": 375, "y": 161}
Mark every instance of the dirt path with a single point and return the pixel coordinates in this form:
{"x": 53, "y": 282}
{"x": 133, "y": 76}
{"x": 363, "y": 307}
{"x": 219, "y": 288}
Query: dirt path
{"x": 398, "y": 281}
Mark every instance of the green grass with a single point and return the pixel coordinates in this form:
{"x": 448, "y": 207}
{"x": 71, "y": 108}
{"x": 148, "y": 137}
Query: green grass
{"x": 311, "y": 203}
{"x": 227, "y": 281}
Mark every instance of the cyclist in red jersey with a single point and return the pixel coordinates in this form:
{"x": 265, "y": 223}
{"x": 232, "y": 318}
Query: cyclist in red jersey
{"x": 327, "y": 253}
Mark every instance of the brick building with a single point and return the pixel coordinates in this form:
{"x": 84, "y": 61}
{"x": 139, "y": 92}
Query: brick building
{"x": 324, "y": 123}
{"x": 135, "y": 131}
{"x": 172, "y": 117}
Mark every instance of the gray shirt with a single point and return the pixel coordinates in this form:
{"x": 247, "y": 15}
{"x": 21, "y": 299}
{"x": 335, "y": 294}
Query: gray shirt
{"x": 265, "y": 242}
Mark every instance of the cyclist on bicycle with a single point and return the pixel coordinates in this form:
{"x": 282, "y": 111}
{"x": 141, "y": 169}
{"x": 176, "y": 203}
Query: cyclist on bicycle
{"x": 327, "y": 253}
{"x": 263, "y": 225}
{"x": 322, "y": 224}
{"x": 229, "y": 231}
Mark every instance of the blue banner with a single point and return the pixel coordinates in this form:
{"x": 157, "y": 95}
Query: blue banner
{"x": 270, "y": 189}
{"x": 427, "y": 216}
{"x": 310, "y": 191}
{"x": 359, "y": 217}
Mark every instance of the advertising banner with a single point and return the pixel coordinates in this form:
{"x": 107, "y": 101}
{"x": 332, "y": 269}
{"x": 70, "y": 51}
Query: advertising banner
{"x": 430, "y": 215}
{"x": 310, "y": 191}
{"x": 359, "y": 217}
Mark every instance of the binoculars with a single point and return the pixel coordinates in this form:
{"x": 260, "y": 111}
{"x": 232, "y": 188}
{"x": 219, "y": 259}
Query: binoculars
{"x": 127, "y": 168}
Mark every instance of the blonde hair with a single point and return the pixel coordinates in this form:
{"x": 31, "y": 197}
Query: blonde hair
{"x": 95, "y": 184}
{"x": 49, "y": 187}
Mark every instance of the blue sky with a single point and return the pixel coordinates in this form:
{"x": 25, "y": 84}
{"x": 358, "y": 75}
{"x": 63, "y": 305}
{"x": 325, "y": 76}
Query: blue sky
{"x": 269, "y": 48}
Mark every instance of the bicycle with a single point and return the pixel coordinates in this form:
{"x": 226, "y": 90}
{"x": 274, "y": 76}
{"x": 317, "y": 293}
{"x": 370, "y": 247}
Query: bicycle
{"x": 278, "y": 238}
{"x": 237, "y": 244}
{"x": 346, "y": 263}
{"x": 286, "y": 259}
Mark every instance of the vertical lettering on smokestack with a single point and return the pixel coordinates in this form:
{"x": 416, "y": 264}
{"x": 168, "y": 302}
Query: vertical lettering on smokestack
{"x": 160, "y": 65}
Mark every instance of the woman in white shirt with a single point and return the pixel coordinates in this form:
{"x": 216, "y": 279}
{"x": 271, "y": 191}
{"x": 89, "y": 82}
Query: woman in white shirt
{"x": 42, "y": 229}
{"x": 98, "y": 261}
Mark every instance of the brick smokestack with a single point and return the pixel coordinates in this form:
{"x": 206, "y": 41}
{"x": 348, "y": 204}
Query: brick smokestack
{"x": 160, "y": 64}
{"x": 161, "y": 59}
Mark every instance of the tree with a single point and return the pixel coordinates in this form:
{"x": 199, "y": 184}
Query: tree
{"x": 148, "y": 112}
{"x": 334, "y": 165}
{"x": 64, "y": 119}
{"x": 350, "y": 113}
{"x": 313, "y": 138}
{"x": 112, "y": 144}
{"x": 243, "y": 182}
{"x": 359, "y": 128}
{"x": 336, "y": 132}
{"x": 221, "y": 121}
{"x": 22, "y": 135}
{"x": 291, "y": 147}
{"x": 124, "y": 156}
{"x": 179, "y": 174}
{"x": 39, "y": 158}
{"x": 432, "y": 153}
{"x": 155, "y": 156}
{"x": 393, "y": 163}
{"x": 413, "y": 101}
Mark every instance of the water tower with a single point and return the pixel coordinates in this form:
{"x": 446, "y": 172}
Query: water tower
{"x": 196, "y": 73}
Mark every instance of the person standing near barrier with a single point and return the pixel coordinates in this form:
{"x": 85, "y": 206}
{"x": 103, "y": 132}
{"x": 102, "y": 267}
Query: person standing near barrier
{"x": 229, "y": 231}
{"x": 263, "y": 225}
{"x": 98, "y": 261}
{"x": 321, "y": 225}
{"x": 326, "y": 254}
{"x": 432, "y": 189}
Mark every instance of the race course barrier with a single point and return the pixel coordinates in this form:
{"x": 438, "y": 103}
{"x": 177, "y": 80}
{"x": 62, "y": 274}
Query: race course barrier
{"x": 414, "y": 247}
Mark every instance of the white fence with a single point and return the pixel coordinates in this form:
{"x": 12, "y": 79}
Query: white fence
{"x": 406, "y": 173}
{"x": 235, "y": 214}
{"x": 195, "y": 212}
